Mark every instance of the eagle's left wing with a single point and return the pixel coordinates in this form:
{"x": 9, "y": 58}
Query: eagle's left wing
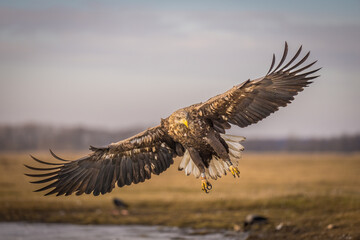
{"x": 129, "y": 161}
{"x": 254, "y": 100}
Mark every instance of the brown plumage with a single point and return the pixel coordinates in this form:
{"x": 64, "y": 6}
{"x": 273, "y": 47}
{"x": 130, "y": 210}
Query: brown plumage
{"x": 196, "y": 132}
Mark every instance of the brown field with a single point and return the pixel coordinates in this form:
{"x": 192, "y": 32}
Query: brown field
{"x": 304, "y": 192}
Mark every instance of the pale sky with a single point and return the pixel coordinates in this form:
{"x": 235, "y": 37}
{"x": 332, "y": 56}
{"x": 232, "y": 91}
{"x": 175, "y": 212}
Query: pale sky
{"x": 117, "y": 64}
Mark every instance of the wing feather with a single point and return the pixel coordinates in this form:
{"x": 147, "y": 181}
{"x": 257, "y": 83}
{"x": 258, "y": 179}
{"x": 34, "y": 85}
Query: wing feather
{"x": 252, "y": 101}
{"x": 129, "y": 161}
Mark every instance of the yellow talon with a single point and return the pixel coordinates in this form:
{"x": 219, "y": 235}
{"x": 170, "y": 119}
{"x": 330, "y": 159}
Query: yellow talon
{"x": 234, "y": 171}
{"x": 205, "y": 186}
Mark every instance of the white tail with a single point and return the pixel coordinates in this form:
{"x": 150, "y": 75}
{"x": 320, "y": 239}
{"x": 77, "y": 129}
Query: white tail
{"x": 217, "y": 167}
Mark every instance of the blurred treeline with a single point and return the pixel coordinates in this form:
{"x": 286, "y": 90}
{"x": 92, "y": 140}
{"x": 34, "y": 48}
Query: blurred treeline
{"x": 40, "y": 137}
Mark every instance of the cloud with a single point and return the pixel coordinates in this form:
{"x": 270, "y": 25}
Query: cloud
{"x": 105, "y": 65}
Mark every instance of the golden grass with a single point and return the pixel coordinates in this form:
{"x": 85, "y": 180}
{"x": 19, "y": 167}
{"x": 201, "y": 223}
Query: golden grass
{"x": 305, "y": 191}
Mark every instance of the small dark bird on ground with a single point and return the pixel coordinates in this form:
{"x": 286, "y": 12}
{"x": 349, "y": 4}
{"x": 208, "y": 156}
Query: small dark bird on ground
{"x": 120, "y": 203}
{"x": 121, "y": 208}
{"x": 253, "y": 219}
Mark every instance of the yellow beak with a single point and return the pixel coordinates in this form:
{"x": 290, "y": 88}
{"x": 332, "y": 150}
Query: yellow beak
{"x": 185, "y": 122}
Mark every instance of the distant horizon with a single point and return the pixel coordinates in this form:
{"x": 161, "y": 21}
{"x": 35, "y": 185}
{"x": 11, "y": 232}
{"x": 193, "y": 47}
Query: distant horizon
{"x": 140, "y": 128}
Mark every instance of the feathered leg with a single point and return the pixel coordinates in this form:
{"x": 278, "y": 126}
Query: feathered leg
{"x": 220, "y": 150}
{"x": 195, "y": 156}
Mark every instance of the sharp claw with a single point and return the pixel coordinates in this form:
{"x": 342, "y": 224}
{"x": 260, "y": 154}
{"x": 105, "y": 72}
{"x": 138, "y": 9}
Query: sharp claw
{"x": 234, "y": 171}
{"x": 205, "y": 186}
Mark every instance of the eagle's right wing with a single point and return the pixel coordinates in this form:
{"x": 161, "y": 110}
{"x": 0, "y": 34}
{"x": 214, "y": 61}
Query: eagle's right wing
{"x": 129, "y": 161}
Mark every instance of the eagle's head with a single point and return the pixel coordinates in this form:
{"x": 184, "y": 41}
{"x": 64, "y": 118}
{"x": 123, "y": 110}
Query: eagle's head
{"x": 180, "y": 119}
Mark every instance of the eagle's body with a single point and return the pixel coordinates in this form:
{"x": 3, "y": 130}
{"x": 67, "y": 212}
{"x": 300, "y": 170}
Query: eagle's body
{"x": 197, "y": 133}
{"x": 191, "y": 135}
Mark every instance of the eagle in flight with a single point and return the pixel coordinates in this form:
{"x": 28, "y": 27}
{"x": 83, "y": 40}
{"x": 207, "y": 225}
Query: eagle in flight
{"x": 195, "y": 133}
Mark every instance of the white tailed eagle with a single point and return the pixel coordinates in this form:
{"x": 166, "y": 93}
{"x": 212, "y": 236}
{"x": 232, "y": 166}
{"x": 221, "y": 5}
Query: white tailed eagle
{"x": 197, "y": 133}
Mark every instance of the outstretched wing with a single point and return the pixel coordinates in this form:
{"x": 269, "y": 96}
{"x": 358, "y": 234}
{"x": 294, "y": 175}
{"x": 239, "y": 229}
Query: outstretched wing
{"x": 254, "y": 100}
{"x": 129, "y": 161}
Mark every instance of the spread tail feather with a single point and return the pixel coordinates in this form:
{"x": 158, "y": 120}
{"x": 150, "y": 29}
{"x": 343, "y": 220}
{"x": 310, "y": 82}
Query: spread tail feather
{"x": 217, "y": 167}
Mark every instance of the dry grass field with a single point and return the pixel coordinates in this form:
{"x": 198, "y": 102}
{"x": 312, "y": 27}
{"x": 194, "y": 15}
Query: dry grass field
{"x": 303, "y": 192}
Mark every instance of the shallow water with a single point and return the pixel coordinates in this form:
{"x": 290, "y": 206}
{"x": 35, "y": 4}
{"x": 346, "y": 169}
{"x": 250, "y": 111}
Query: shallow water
{"x": 37, "y": 231}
